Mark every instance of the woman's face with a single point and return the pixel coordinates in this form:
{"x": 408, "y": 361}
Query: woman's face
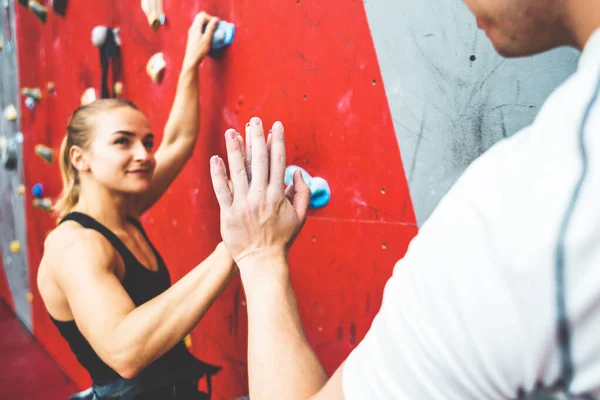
{"x": 121, "y": 154}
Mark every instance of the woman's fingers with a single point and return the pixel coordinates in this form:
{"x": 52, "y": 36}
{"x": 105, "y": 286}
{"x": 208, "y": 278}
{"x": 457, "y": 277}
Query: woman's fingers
{"x": 218, "y": 175}
{"x": 237, "y": 167}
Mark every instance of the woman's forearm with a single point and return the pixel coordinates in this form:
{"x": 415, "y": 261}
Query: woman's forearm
{"x": 153, "y": 328}
{"x": 183, "y": 123}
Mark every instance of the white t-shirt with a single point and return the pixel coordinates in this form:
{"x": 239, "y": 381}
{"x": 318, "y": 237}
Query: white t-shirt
{"x": 471, "y": 310}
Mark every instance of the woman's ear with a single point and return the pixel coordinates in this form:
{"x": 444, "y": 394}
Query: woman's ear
{"x": 79, "y": 159}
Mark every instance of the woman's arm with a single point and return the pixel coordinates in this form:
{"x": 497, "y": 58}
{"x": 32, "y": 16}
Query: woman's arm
{"x": 125, "y": 337}
{"x": 182, "y": 126}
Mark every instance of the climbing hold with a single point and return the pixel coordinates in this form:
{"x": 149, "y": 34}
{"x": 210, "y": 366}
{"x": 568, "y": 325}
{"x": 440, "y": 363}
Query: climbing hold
{"x": 39, "y": 10}
{"x": 59, "y": 6}
{"x": 99, "y": 34}
{"x": 188, "y": 341}
{"x": 15, "y": 246}
{"x": 29, "y": 297}
{"x": 223, "y": 37}
{"x": 154, "y": 12}
{"x": 8, "y": 153}
{"x": 21, "y": 190}
{"x": 10, "y": 113}
{"x": 1, "y": 42}
{"x": 45, "y": 203}
{"x": 34, "y": 93}
{"x": 320, "y": 194}
{"x": 29, "y": 103}
{"x": 88, "y": 96}
{"x": 108, "y": 42}
{"x": 118, "y": 89}
{"x": 156, "y": 67}
{"x": 37, "y": 190}
{"x": 51, "y": 87}
{"x": 45, "y": 152}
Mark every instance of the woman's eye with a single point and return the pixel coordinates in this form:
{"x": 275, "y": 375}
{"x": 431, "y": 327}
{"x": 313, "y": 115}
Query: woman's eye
{"x": 149, "y": 144}
{"x": 122, "y": 141}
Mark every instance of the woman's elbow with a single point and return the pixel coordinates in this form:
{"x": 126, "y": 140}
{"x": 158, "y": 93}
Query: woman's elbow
{"x": 125, "y": 363}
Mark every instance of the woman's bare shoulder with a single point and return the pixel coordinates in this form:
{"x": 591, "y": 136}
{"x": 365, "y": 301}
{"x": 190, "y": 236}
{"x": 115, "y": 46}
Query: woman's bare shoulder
{"x": 71, "y": 238}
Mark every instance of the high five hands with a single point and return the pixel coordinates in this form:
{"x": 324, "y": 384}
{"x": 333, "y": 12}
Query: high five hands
{"x": 260, "y": 218}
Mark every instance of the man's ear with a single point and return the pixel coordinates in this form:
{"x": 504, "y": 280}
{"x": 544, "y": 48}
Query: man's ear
{"x": 79, "y": 159}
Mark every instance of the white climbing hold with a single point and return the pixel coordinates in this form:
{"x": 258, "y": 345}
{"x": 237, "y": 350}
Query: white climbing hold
{"x": 99, "y": 34}
{"x": 10, "y": 113}
{"x": 156, "y": 67}
{"x": 88, "y": 96}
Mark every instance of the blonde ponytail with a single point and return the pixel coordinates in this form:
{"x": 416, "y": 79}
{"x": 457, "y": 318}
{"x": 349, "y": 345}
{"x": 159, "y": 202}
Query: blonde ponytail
{"x": 79, "y": 133}
{"x": 70, "y": 193}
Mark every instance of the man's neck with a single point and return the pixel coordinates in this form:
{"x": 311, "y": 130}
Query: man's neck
{"x": 582, "y": 19}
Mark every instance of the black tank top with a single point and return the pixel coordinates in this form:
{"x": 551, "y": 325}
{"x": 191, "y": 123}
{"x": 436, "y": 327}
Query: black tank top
{"x": 142, "y": 285}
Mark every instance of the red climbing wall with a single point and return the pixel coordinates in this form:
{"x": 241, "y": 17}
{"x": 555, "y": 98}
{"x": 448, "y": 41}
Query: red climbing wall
{"x": 309, "y": 64}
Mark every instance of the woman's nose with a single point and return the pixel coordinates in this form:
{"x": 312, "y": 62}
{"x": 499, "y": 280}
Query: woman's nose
{"x": 141, "y": 153}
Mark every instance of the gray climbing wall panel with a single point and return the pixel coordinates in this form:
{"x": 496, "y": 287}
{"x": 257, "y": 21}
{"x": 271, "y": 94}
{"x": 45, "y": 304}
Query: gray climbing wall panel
{"x": 451, "y": 96}
{"x": 12, "y": 210}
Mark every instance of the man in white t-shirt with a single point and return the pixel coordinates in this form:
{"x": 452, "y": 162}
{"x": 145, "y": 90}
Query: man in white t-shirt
{"x": 498, "y": 295}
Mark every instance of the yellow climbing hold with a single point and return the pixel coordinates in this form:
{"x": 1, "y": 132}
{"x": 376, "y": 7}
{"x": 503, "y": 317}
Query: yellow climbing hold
{"x": 29, "y": 297}
{"x": 10, "y": 112}
{"x": 21, "y": 190}
{"x": 118, "y": 90}
{"x": 15, "y": 246}
{"x": 45, "y": 203}
{"x": 188, "y": 341}
{"x": 45, "y": 152}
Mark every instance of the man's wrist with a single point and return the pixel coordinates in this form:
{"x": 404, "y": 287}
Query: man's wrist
{"x": 264, "y": 267}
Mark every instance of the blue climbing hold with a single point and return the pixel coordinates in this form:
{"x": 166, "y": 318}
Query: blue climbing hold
{"x": 37, "y": 190}
{"x": 320, "y": 194}
{"x": 223, "y": 37}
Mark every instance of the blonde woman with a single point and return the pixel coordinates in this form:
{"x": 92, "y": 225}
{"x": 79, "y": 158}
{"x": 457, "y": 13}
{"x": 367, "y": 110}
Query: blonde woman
{"x": 102, "y": 281}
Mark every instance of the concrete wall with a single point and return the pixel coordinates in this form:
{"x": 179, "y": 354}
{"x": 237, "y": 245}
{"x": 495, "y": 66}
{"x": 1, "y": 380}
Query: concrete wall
{"x": 450, "y": 94}
{"x": 12, "y": 211}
